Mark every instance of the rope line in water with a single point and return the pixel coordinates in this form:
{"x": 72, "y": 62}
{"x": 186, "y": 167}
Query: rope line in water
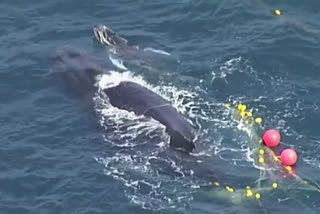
{"x": 266, "y": 158}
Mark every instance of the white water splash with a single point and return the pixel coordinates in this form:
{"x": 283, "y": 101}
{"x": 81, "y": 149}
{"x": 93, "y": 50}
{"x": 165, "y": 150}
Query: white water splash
{"x": 227, "y": 68}
{"x": 233, "y": 65}
{"x": 134, "y": 168}
{"x": 313, "y": 161}
{"x": 114, "y": 78}
{"x": 146, "y": 186}
{"x": 157, "y": 51}
{"x": 126, "y": 125}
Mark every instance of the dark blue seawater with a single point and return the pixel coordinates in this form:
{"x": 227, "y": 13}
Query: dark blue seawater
{"x": 57, "y": 157}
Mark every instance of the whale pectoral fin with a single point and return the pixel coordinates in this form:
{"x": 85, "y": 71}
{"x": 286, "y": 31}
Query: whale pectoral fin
{"x": 178, "y": 141}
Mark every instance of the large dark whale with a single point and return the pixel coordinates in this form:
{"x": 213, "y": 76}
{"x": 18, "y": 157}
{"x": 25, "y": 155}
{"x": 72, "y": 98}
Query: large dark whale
{"x": 81, "y": 73}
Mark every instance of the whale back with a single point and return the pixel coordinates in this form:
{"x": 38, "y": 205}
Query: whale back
{"x": 133, "y": 97}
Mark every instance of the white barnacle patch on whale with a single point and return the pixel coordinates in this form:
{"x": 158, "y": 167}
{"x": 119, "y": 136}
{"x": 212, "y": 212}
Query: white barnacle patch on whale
{"x": 117, "y": 62}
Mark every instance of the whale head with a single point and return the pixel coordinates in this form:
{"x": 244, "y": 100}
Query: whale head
{"x": 108, "y": 37}
{"x": 79, "y": 71}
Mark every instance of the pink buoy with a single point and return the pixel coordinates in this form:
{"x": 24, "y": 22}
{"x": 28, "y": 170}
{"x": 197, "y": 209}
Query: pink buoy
{"x": 271, "y": 138}
{"x": 288, "y": 157}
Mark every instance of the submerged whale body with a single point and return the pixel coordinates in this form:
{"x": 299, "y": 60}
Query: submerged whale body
{"x": 81, "y": 73}
{"x": 78, "y": 70}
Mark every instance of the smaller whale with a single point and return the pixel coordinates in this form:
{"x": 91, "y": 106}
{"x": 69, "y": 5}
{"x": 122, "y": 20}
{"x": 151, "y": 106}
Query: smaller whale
{"x": 162, "y": 65}
{"x": 81, "y": 73}
{"x": 135, "y": 58}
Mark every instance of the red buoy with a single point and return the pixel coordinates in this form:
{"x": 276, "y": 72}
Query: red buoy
{"x": 271, "y": 138}
{"x": 288, "y": 157}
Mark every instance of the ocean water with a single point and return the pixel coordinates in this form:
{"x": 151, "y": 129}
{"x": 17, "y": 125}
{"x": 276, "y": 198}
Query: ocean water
{"x": 58, "y": 157}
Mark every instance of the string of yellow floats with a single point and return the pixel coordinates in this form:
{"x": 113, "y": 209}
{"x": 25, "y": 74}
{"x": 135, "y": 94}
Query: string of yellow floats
{"x": 245, "y": 116}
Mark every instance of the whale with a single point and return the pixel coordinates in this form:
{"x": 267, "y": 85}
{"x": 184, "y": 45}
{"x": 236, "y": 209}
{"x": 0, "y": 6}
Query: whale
{"x": 81, "y": 73}
{"x": 134, "y": 57}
